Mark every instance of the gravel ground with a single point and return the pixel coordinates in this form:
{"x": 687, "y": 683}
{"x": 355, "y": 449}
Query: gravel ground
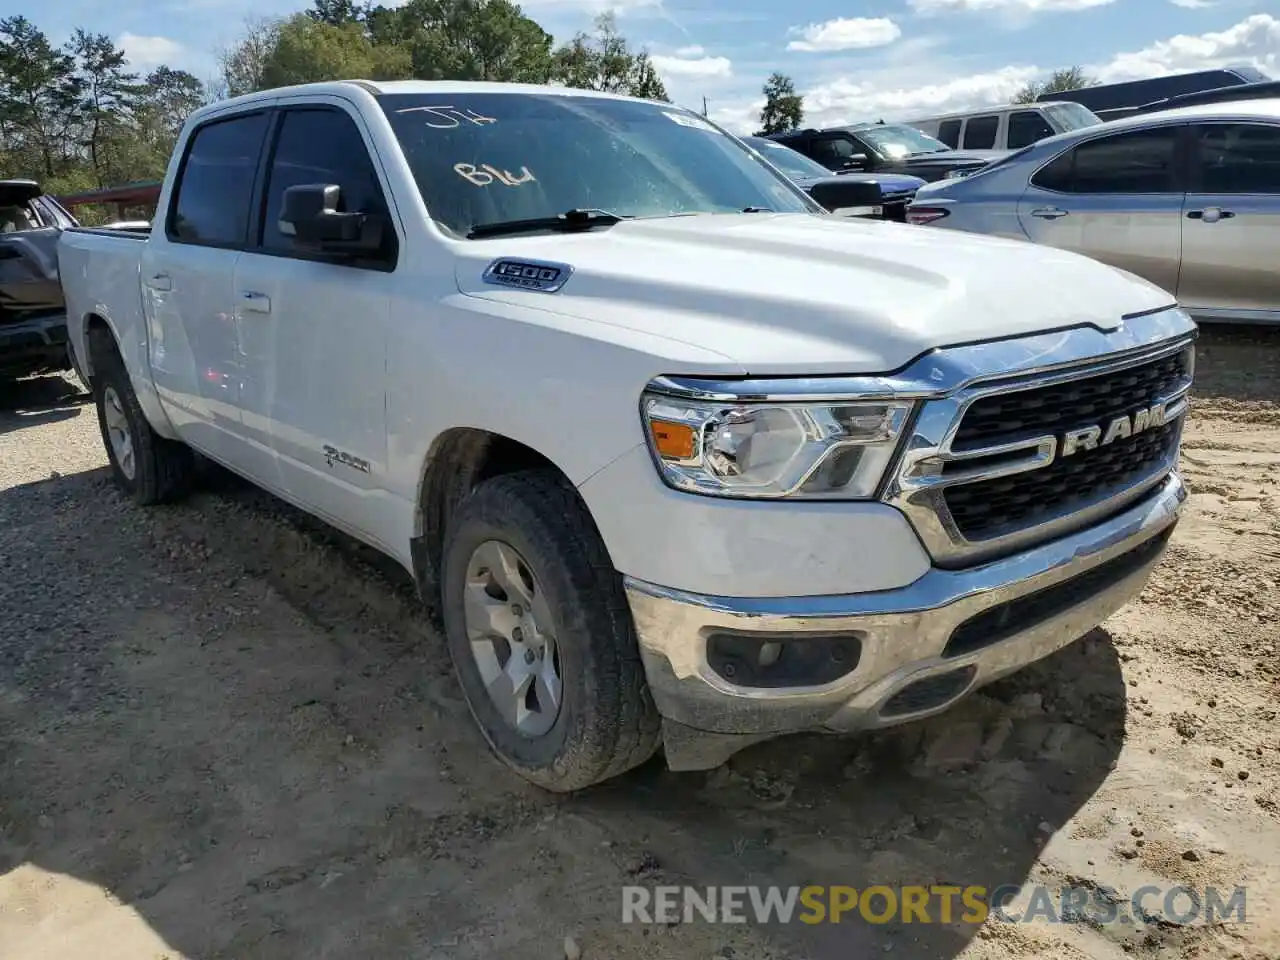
{"x": 226, "y": 732}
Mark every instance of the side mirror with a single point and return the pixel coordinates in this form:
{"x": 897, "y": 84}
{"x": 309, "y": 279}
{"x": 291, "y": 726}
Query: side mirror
{"x": 309, "y": 214}
{"x": 857, "y": 162}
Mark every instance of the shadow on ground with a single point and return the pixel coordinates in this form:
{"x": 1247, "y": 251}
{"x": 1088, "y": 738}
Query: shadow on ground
{"x": 39, "y": 400}
{"x": 236, "y": 722}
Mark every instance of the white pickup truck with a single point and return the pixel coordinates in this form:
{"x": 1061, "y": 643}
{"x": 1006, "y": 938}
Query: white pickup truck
{"x": 676, "y": 458}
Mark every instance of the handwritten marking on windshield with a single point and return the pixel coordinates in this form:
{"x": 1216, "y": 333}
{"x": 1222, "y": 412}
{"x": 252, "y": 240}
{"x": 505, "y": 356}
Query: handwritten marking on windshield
{"x": 485, "y": 174}
{"x": 688, "y": 120}
{"x": 451, "y": 115}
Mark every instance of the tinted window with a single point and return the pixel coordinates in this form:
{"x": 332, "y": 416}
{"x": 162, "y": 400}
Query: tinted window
{"x": 1026, "y": 127}
{"x": 833, "y": 150}
{"x": 215, "y": 185}
{"x": 790, "y": 162}
{"x": 494, "y": 157}
{"x": 949, "y": 132}
{"x": 980, "y": 133}
{"x": 1139, "y": 162}
{"x": 1239, "y": 158}
{"x": 321, "y": 146}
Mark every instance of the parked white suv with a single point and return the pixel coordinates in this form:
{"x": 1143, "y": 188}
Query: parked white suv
{"x": 1010, "y": 127}
{"x": 677, "y": 457}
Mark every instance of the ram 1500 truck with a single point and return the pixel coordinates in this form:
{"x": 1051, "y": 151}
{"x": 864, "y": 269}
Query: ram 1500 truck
{"x": 676, "y": 458}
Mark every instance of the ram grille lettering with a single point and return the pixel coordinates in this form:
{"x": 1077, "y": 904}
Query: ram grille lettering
{"x": 1100, "y": 435}
{"x": 528, "y": 274}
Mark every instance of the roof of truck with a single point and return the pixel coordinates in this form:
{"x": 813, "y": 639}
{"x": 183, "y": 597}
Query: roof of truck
{"x": 376, "y": 87}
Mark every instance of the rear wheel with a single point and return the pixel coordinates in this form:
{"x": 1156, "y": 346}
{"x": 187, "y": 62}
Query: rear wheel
{"x": 146, "y": 466}
{"x": 541, "y": 636}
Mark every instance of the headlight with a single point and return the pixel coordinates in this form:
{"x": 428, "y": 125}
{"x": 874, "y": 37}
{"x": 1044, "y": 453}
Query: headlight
{"x": 837, "y": 450}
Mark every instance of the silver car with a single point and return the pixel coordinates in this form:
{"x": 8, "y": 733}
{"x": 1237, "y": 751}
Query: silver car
{"x": 1187, "y": 198}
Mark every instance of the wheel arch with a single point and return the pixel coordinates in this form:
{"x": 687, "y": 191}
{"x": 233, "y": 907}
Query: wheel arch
{"x": 458, "y": 461}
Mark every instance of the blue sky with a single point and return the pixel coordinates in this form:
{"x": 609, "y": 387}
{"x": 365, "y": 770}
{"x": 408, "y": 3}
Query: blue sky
{"x": 891, "y": 58}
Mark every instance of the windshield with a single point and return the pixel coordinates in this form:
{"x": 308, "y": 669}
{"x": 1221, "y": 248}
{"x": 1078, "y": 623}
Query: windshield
{"x": 790, "y": 162}
{"x": 489, "y": 158}
{"x": 899, "y": 140}
{"x": 1071, "y": 116}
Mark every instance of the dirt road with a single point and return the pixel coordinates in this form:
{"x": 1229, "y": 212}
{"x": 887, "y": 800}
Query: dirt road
{"x": 226, "y": 732}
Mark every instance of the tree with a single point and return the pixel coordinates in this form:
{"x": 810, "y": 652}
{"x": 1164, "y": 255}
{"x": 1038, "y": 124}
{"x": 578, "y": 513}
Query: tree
{"x": 336, "y": 13}
{"x": 39, "y": 94}
{"x": 603, "y": 61}
{"x": 307, "y": 50}
{"x": 465, "y": 40}
{"x": 1060, "y": 81}
{"x": 110, "y": 96}
{"x": 783, "y": 107}
{"x": 243, "y": 64}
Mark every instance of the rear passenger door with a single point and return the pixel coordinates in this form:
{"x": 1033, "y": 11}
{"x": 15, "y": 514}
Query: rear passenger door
{"x": 187, "y": 274}
{"x": 313, "y": 327}
{"x": 1116, "y": 198}
{"x": 1231, "y": 221}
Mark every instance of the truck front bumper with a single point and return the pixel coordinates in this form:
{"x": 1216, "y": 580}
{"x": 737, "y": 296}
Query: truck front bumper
{"x": 902, "y": 654}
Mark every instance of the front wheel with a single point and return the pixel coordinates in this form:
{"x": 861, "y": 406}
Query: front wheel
{"x": 541, "y": 636}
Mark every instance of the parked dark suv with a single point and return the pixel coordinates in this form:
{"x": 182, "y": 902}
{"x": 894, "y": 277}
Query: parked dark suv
{"x": 885, "y": 148}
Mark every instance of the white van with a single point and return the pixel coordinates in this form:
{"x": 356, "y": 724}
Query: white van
{"x": 1009, "y": 127}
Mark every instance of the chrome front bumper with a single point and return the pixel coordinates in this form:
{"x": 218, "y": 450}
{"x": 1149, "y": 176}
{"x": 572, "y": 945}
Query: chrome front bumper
{"x": 1067, "y": 587}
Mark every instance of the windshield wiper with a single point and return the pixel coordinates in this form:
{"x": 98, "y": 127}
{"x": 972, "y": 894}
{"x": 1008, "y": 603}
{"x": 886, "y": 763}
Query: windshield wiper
{"x": 758, "y": 210}
{"x": 568, "y": 221}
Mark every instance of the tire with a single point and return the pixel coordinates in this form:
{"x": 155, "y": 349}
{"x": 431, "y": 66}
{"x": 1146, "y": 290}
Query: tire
{"x": 158, "y": 470}
{"x": 605, "y": 721}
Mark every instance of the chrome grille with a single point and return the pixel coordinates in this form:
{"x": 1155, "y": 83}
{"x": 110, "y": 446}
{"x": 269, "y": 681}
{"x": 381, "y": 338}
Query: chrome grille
{"x": 999, "y": 465}
{"x": 1002, "y": 417}
{"x": 994, "y": 508}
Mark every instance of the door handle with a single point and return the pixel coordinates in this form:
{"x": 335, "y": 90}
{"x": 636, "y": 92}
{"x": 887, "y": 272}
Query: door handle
{"x": 254, "y": 302}
{"x": 1210, "y": 214}
{"x": 1048, "y": 213}
{"x": 160, "y": 281}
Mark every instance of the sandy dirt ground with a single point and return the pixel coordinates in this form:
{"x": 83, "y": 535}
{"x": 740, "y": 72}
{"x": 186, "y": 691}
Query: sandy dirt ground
{"x": 225, "y": 731}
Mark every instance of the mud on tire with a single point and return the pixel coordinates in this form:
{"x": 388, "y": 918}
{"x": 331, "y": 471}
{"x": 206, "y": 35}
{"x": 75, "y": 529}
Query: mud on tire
{"x": 606, "y": 721}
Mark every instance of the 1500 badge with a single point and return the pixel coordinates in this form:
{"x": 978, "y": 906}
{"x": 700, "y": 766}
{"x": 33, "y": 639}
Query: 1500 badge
{"x": 333, "y": 455}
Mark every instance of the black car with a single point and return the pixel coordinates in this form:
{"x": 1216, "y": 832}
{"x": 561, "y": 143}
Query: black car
{"x": 879, "y": 195}
{"x": 885, "y": 148}
{"x": 33, "y": 316}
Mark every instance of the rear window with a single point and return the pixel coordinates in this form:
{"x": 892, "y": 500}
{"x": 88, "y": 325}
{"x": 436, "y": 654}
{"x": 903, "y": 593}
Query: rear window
{"x": 1138, "y": 162}
{"x": 215, "y": 184}
{"x": 949, "y": 132}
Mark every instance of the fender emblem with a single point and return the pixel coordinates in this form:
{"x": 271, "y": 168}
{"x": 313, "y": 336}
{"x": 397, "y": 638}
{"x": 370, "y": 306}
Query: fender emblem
{"x": 540, "y": 275}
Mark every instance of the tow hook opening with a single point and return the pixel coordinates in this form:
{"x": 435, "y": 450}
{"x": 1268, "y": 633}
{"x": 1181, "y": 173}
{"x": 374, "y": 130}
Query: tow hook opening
{"x": 771, "y": 660}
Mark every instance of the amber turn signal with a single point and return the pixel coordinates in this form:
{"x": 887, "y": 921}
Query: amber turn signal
{"x": 673, "y": 441}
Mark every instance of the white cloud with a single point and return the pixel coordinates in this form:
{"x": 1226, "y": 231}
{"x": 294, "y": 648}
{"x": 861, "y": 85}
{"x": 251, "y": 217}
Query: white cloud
{"x": 1004, "y": 6}
{"x": 855, "y": 33}
{"x": 147, "y": 53}
{"x": 689, "y": 64}
{"x": 891, "y": 93}
{"x": 1193, "y": 4}
{"x": 1254, "y": 41}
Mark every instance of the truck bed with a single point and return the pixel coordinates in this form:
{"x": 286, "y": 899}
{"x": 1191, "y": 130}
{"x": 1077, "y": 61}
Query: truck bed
{"x": 99, "y": 272}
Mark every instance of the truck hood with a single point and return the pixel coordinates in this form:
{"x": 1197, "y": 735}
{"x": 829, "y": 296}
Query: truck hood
{"x": 801, "y": 294}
